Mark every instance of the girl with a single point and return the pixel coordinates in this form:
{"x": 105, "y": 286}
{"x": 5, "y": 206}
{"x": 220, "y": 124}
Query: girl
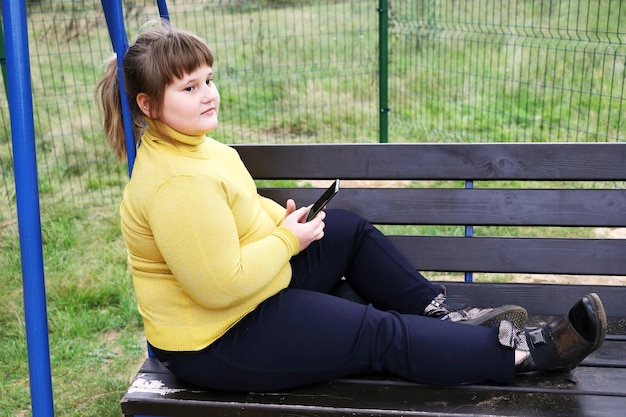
{"x": 233, "y": 287}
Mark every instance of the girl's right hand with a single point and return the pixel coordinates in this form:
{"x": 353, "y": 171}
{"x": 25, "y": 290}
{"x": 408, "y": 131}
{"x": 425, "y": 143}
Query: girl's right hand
{"x": 306, "y": 232}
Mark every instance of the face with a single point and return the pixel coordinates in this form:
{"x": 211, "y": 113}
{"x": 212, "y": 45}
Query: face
{"x": 191, "y": 103}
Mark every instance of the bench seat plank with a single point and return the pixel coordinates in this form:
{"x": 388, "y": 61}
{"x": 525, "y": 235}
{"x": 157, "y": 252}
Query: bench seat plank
{"x": 580, "y": 392}
{"x": 611, "y": 354}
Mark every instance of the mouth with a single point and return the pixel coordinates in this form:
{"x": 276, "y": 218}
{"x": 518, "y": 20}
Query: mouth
{"x": 209, "y": 111}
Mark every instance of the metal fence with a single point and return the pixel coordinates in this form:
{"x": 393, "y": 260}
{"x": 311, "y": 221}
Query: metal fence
{"x": 295, "y": 71}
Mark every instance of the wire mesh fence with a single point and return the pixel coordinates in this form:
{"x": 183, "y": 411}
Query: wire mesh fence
{"x": 518, "y": 71}
{"x": 294, "y": 71}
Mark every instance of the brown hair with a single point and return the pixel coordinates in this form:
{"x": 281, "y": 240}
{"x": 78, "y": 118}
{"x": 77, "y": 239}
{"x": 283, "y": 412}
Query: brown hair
{"x": 159, "y": 55}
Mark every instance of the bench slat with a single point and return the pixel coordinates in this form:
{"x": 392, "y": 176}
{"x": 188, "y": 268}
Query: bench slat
{"x": 612, "y": 353}
{"x": 514, "y": 255}
{"x": 580, "y": 392}
{"x": 474, "y": 161}
{"x": 539, "y": 299}
{"x": 515, "y": 207}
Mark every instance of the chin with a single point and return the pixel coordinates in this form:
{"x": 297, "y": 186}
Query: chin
{"x": 212, "y": 127}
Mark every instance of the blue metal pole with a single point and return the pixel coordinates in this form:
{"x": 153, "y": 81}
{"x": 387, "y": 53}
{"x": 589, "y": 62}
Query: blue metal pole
{"x": 162, "y": 4}
{"x": 28, "y": 214}
{"x": 469, "y": 232}
{"x": 115, "y": 23}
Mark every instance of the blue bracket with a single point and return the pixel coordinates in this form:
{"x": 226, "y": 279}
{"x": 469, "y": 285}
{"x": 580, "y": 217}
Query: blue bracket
{"x": 469, "y": 232}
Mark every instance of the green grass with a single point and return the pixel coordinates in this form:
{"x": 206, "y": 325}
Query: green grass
{"x": 95, "y": 332}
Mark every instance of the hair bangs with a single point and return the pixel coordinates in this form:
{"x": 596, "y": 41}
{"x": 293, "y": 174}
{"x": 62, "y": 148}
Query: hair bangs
{"x": 181, "y": 53}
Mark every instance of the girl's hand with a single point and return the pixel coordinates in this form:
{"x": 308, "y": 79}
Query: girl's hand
{"x": 306, "y": 232}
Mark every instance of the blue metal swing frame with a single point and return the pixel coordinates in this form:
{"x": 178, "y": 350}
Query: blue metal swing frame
{"x": 19, "y": 93}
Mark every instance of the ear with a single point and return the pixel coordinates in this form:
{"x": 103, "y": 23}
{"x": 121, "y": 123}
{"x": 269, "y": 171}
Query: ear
{"x": 143, "y": 101}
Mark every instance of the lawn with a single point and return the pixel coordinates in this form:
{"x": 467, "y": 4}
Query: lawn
{"x": 96, "y": 338}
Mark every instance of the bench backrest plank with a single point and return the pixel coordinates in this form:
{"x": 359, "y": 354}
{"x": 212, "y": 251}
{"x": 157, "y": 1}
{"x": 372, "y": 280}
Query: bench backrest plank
{"x": 493, "y": 207}
{"x": 523, "y": 161}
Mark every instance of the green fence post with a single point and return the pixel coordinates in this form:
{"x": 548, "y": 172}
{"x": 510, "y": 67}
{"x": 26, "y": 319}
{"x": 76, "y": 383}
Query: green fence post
{"x": 383, "y": 63}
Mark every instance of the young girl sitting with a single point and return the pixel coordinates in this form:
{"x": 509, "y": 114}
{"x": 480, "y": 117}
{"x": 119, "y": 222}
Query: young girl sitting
{"x": 233, "y": 288}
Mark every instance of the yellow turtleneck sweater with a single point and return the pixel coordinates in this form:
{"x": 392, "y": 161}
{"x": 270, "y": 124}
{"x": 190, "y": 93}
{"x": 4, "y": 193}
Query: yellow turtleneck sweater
{"x": 204, "y": 248}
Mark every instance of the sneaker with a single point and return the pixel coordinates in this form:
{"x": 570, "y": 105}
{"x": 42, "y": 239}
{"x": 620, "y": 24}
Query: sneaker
{"x": 487, "y": 316}
{"x": 476, "y": 316}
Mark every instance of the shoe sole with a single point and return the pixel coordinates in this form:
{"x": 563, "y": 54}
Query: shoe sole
{"x": 599, "y": 316}
{"x": 515, "y": 314}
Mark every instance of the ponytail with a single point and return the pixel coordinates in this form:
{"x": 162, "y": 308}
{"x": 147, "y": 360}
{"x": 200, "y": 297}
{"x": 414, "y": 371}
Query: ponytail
{"x": 111, "y": 105}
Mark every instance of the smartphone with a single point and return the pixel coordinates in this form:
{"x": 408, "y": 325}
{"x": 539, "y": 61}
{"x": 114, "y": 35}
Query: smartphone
{"x": 323, "y": 200}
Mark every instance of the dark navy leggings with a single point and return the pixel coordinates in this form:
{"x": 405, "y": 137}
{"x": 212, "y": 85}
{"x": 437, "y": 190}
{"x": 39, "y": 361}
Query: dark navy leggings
{"x": 303, "y": 335}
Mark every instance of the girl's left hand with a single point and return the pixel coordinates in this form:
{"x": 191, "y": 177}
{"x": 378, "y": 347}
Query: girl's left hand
{"x": 306, "y": 232}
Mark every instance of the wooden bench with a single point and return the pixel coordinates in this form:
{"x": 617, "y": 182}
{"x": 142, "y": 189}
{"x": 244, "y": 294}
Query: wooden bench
{"x": 530, "y": 185}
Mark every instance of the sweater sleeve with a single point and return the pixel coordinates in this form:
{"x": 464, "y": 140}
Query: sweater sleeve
{"x": 201, "y": 239}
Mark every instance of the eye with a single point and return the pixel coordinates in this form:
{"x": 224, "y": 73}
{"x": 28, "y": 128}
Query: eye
{"x": 209, "y": 81}
{"x": 189, "y": 88}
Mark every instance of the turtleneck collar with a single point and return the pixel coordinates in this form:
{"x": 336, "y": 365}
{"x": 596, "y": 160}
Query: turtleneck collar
{"x": 163, "y": 133}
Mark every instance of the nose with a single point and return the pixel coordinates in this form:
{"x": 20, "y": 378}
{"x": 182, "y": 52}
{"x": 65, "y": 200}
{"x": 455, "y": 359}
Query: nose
{"x": 209, "y": 91}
